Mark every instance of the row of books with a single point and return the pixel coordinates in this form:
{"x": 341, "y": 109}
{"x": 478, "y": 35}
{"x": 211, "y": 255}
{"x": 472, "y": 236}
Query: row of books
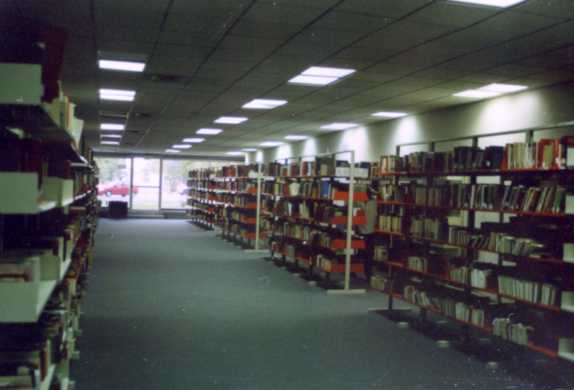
{"x": 527, "y": 290}
{"x": 474, "y": 277}
{"x": 510, "y": 330}
{"x": 463, "y": 158}
{"x": 380, "y": 253}
{"x": 446, "y": 305}
{"x": 417, "y": 263}
{"x": 517, "y": 246}
{"x": 320, "y": 166}
{"x": 391, "y": 223}
{"x": 546, "y": 198}
{"x": 544, "y": 154}
{"x": 429, "y": 227}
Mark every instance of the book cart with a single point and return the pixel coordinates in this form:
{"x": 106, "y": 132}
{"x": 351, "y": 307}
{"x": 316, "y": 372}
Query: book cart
{"x": 479, "y": 232}
{"x": 310, "y": 219}
{"x": 48, "y": 217}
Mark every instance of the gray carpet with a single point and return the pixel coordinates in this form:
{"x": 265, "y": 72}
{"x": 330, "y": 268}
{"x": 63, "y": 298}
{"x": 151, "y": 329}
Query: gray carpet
{"x": 172, "y": 307}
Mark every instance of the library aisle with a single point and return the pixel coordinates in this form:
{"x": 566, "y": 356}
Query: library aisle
{"x": 174, "y": 307}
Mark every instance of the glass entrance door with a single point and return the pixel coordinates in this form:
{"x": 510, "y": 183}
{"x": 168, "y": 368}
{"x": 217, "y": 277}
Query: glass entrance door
{"x": 145, "y": 186}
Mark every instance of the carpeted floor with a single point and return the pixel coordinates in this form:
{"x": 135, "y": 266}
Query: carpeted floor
{"x": 172, "y": 307}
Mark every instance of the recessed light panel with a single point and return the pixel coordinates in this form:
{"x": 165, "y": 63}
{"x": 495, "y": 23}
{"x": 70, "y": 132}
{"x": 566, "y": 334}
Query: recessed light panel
{"x": 112, "y": 126}
{"x": 492, "y": 3}
{"x": 503, "y": 88}
{"x": 230, "y": 120}
{"x": 117, "y": 94}
{"x": 127, "y": 66}
{"x": 109, "y": 143}
{"x": 323, "y": 71}
{"x": 193, "y": 140}
{"x": 321, "y": 75}
{"x": 389, "y": 114}
{"x": 234, "y": 153}
{"x": 181, "y": 146}
{"x": 476, "y": 94}
{"x": 264, "y": 104}
{"x": 171, "y": 151}
{"x": 271, "y": 143}
{"x": 312, "y": 80}
{"x": 339, "y": 126}
{"x": 296, "y": 137}
{"x": 206, "y": 131}
{"x": 111, "y": 136}
{"x": 249, "y": 150}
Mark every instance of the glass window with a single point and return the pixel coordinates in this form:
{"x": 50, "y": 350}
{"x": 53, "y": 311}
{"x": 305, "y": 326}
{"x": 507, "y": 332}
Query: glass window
{"x": 146, "y": 183}
{"x": 114, "y": 179}
{"x": 174, "y": 183}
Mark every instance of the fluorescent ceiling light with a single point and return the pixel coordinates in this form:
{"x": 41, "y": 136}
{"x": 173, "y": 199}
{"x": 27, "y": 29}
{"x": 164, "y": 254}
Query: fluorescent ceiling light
{"x": 171, "y": 151}
{"x": 339, "y": 126}
{"x": 207, "y": 131}
{"x": 476, "y": 94}
{"x": 503, "y": 88}
{"x": 231, "y": 120}
{"x": 312, "y": 80}
{"x": 110, "y": 136}
{"x": 112, "y": 126}
{"x": 296, "y": 137}
{"x": 492, "y": 3}
{"x": 181, "y": 146}
{"x": 249, "y": 150}
{"x": 117, "y": 94}
{"x": 127, "y": 66}
{"x": 193, "y": 140}
{"x": 271, "y": 143}
{"x": 109, "y": 142}
{"x": 264, "y": 104}
{"x": 323, "y": 71}
{"x": 234, "y": 153}
{"x": 389, "y": 114}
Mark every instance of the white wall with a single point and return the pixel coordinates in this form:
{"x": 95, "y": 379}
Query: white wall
{"x": 529, "y": 109}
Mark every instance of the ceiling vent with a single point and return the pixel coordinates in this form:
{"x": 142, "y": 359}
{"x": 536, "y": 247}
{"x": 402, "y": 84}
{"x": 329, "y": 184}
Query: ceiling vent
{"x": 164, "y": 78}
{"x": 114, "y": 115}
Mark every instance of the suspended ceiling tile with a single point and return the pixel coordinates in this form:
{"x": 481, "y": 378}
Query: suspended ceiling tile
{"x": 555, "y": 8}
{"x": 453, "y": 14}
{"x": 270, "y": 12}
{"x": 280, "y": 31}
{"x": 350, "y": 21}
{"x": 404, "y": 34}
{"x": 389, "y": 9}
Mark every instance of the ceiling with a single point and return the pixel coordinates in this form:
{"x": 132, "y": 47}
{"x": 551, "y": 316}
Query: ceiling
{"x": 410, "y": 55}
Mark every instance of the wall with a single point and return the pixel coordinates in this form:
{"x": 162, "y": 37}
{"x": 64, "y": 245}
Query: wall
{"x": 529, "y": 109}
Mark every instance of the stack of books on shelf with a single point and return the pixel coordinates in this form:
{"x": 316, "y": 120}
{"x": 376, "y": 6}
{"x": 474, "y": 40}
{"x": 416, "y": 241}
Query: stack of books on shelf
{"x": 417, "y": 263}
{"x": 381, "y": 253}
{"x": 482, "y": 278}
{"x": 510, "y": 330}
{"x": 516, "y": 246}
{"x": 391, "y": 223}
{"x": 389, "y": 192}
{"x": 435, "y": 228}
{"x": 528, "y": 290}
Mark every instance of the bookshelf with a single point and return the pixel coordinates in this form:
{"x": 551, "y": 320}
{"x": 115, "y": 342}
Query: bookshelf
{"x": 479, "y": 232}
{"x": 228, "y": 199}
{"x": 48, "y": 219}
{"x": 311, "y": 217}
